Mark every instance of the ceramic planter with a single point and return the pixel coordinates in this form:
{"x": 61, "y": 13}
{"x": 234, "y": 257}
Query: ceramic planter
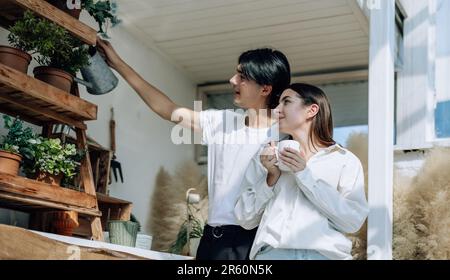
{"x": 64, "y": 222}
{"x": 15, "y": 58}
{"x": 9, "y": 162}
{"x": 55, "y": 77}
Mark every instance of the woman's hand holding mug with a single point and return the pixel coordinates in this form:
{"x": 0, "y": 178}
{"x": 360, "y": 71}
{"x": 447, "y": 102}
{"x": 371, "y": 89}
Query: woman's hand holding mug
{"x": 269, "y": 160}
{"x": 293, "y": 159}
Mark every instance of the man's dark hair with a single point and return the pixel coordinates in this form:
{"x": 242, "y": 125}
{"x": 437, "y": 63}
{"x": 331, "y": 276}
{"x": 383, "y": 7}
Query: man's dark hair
{"x": 267, "y": 67}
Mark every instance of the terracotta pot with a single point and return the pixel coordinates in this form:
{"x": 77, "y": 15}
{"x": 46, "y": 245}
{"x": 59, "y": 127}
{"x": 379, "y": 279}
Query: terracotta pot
{"x": 55, "y": 77}
{"x": 62, "y": 5}
{"x": 9, "y": 162}
{"x": 15, "y": 58}
{"x": 54, "y": 180}
{"x": 64, "y": 222}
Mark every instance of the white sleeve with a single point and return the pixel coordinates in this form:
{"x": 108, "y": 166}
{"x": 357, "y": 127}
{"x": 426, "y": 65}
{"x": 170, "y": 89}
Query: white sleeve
{"x": 255, "y": 195}
{"x": 210, "y": 122}
{"x": 344, "y": 205}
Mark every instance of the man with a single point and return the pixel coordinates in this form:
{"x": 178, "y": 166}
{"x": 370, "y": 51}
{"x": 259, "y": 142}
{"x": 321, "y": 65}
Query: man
{"x": 261, "y": 76}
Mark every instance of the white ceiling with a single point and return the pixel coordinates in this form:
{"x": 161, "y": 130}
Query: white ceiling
{"x": 205, "y": 37}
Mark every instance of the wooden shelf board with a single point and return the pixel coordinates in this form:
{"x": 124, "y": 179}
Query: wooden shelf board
{"x": 26, "y": 192}
{"x": 25, "y": 204}
{"x": 11, "y": 10}
{"x": 39, "y": 102}
{"x": 102, "y": 198}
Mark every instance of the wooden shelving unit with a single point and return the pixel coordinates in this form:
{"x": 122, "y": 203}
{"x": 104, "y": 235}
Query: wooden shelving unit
{"x": 44, "y": 105}
{"x": 40, "y": 103}
{"x": 11, "y": 10}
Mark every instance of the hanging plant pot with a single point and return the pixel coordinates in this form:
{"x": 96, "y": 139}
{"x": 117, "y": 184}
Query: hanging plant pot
{"x": 9, "y": 162}
{"x": 64, "y": 222}
{"x": 55, "y": 77}
{"x": 54, "y": 180}
{"x": 62, "y": 5}
{"x": 15, "y": 58}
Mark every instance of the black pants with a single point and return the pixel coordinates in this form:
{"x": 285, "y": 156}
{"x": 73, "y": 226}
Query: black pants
{"x": 228, "y": 242}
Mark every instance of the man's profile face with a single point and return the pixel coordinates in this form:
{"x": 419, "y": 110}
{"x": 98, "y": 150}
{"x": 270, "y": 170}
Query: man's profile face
{"x": 247, "y": 93}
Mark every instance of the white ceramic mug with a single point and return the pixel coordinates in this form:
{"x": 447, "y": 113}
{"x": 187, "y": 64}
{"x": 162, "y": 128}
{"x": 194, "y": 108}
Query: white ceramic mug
{"x": 283, "y": 145}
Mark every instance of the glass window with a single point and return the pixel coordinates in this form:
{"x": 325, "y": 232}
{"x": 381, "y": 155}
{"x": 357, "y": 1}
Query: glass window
{"x": 341, "y": 134}
{"x": 442, "y": 110}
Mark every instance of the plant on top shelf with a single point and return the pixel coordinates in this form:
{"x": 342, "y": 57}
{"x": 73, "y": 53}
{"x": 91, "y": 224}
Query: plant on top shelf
{"x": 16, "y": 145}
{"x": 21, "y": 40}
{"x": 53, "y": 160}
{"x": 59, "y": 54}
{"x": 104, "y": 13}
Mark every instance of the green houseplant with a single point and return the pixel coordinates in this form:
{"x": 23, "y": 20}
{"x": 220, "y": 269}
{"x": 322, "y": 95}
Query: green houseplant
{"x": 103, "y": 12}
{"x": 53, "y": 160}
{"x": 15, "y": 145}
{"x": 195, "y": 227}
{"x": 59, "y": 54}
{"x": 21, "y": 41}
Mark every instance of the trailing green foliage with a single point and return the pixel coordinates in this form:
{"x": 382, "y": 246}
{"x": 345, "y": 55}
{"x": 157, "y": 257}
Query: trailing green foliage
{"x": 103, "y": 12}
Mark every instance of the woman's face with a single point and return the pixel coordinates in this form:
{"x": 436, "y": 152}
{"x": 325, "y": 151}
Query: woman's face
{"x": 291, "y": 111}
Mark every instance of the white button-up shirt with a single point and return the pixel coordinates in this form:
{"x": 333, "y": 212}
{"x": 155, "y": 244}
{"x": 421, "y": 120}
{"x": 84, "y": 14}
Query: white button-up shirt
{"x": 311, "y": 209}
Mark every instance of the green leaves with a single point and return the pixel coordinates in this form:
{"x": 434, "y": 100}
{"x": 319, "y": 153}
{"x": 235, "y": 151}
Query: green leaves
{"x": 19, "y": 140}
{"x": 56, "y": 47}
{"x": 195, "y": 232}
{"x": 102, "y": 12}
{"x": 53, "y": 157}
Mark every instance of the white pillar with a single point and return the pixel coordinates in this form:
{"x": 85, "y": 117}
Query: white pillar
{"x": 381, "y": 126}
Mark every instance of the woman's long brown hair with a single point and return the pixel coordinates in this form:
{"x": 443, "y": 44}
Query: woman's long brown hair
{"x": 322, "y": 125}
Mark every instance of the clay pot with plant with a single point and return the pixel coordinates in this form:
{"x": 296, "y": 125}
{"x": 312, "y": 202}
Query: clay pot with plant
{"x": 22, "y": 40}
{"x": 53, "y": 160}
{"x": 16, "y": 145}
{"x": 60, "y": 55}
{"x": 104, "y": 13}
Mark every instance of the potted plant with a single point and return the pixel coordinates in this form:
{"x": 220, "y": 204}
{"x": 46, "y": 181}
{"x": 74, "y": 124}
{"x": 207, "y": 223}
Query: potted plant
{"x": 22, "y": 40}
{"x": 195, "y": 227}
{"x": 60, "y": 54}
{"x": 103, "y": 11}
{"x": 52, "y": 161}
{"x": 15, "y": 146}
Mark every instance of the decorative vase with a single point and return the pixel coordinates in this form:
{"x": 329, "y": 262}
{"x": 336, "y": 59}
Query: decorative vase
{"x": 123, "y": 232}
{"x": 9, "y": 162}
{"x": 55, "y": 77}
{"x": 15, "y": 58}
{"x": 64, "y": 222}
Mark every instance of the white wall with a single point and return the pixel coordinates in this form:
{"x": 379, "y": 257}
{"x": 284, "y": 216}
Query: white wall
{"x": 142, "y": 138}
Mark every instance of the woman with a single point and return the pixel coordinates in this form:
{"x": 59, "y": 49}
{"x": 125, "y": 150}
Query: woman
{"x": 303, "y": 213}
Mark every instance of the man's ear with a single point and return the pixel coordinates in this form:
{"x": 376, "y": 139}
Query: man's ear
{"x": 266, "y": 90}
{"x": 313, "y": 110}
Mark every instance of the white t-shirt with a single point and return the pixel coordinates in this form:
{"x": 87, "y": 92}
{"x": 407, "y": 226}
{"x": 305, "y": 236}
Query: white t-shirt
{"x": 231, "y": 146}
